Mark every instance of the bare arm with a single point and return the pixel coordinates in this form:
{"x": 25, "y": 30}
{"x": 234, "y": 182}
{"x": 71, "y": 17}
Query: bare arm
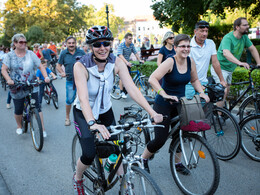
{"x": 233, "y": 59}
{"x": 44, "y": 73}
{"x": 133, "y": 91}
{"x": 216, "y": 66}
{"x": 5, "y": 74}
{"x": 159, "y": 59}
{"x": 255, "y": 54}
{"x": 124, "y": 60}
{"x": 58, "y": 67}
{"x": 138, "y": 58}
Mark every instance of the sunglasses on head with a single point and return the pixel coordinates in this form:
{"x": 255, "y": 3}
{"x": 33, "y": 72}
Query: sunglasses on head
{"x": 22, "y": 42}
{"x": 171, "y": 38}
{"x": 98, "y": 44}
{"x": 204, "y": 26}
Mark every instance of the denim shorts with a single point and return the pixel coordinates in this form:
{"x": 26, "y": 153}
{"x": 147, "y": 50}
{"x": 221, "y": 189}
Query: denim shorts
{"x": 190, "y": 91}
{"x": 70, "y": 93}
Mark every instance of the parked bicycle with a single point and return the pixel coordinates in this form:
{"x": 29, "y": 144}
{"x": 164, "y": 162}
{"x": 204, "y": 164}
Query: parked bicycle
{"x": 250, "y": 104}
{"x": 31, "y": 115}
{"x": 134, "y": 180}
{"x": 197, "y": 156}
{"x": 50, "y": 93}
{"x": 140, "y": 80}
{"x": 250, "y": 132}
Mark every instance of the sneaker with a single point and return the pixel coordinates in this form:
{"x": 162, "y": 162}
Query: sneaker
{"x": 182, "y": 169}
{"x": 123, "y": 95}
{"x": 145, "y": 164}
{"x": 67, "y": 122}
{"x": 8, "y": 106}
{"x": 19, "y": 131}
{"x": 78, "y": 186}
{"x": 44, "y": 134}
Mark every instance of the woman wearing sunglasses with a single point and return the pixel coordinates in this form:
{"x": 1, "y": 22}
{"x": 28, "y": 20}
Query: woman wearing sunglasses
{"x": 22, "y": 65}
{"x": 167, "y": 48}
{"x": 175, "y": 72}
{"x": 94, "y": 76}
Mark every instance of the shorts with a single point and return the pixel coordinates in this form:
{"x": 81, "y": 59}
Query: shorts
{"x": 226, "y": 75}
{"x": 19, "y": 104}
{"x": 190, "y": 91}
{"x": 70, "y": 93}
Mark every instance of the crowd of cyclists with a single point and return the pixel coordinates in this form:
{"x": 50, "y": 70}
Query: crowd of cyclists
{"x": 182, "y": 71}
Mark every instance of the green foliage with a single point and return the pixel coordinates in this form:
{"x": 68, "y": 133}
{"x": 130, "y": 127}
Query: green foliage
{"x": 217, "y": 32}
{"x": 34, "y": 34}
{"x": 256, "y": 42}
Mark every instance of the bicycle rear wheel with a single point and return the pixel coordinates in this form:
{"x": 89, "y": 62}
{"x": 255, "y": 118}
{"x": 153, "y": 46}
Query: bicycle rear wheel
{"x": 90, "y": 175}
{"x": 54, "y": 97}
{"x": 202, "y": 176}
{"x": 250, "y": 133}
{"x": 142, "y": 84}
{"x": 139, "y": 183}
{"x": 46, "y": 95}
{"x": 115, "y": 93}
{"x": 224, "y": 135}
{"x": 36, "y": 129}
{"x": 248, "y": 106}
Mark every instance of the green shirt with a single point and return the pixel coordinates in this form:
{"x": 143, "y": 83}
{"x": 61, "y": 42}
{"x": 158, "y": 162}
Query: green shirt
{"x": 235, "y": 46}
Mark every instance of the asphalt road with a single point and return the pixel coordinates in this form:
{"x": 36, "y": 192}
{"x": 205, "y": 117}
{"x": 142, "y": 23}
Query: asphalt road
{"x": 28, "y": 172}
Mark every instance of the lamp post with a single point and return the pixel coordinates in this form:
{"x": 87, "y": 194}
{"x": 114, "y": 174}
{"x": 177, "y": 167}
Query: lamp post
{"x": 107, "y": 16}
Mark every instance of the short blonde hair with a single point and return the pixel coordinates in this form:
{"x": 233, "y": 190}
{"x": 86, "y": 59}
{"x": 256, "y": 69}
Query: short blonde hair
{"x": 166, "y": 36}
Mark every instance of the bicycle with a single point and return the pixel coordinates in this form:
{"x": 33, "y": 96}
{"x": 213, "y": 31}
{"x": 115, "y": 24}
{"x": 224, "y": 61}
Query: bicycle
{"x": 250, "y": 132}
{"x": 135, "y": 180}
{"x": 196, "y": 155}
{"x": 31, "y": 115}
{"x": 49, "y": 94}
{"x": 224, "y": 135}
{"x": 250, "y": 104}
{"x": 53, "y": 62}
{"x": 140, "y": 80}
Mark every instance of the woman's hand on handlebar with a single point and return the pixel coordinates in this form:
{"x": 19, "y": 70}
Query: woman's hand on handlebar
{"x": 102, "y": 129}
{"x": 205, "y": 97}
{"x": 171, "y": 98}
{"x": 157, "y": 118}
{"x": 10, "y": 82}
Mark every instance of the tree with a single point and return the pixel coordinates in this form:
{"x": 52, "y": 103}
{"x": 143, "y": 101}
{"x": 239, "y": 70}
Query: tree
{"x": 34, "y": 34}
{"x": 183, "y": 14}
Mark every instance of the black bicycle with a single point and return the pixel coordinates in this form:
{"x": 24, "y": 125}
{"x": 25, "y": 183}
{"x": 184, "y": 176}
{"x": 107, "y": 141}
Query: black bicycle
{"x": 250, "y": 104}
{"x": 31, "y": 114}
{"x": 135, "y": 180}
{"x": 250, "y": 132}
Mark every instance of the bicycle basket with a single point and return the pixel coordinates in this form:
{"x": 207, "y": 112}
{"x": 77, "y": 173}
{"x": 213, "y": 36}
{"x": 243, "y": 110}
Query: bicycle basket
{"x": 216, "y": 92}
{"x": 192, "y": 116}
{"x": 105, "y": 149}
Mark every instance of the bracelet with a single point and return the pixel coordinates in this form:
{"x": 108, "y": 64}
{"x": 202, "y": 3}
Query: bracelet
{"x": 158, "y": 92}
{"x": 201, "y": 92}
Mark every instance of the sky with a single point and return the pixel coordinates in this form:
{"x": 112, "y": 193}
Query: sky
{"x": 124, "y": 8}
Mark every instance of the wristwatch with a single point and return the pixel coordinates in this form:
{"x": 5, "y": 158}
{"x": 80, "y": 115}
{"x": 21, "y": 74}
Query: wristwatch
{"x": 91, "y": 123}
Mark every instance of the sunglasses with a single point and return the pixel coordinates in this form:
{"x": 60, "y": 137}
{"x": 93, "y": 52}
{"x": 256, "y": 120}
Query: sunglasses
{"x": 98, "y": 44}
{"x": 184, "y": 46}
{"x": 204, "y": 26}
{"x": 171, "y": 38}
{"x": 22, "y": 42}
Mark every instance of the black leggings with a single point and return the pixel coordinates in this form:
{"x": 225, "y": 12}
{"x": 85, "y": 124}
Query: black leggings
{"x": 86, "y": 138}
{"x": 161, "y": 134}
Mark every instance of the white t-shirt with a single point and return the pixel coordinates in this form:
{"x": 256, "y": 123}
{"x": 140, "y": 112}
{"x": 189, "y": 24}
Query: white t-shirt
{"x": 202, "y": 56}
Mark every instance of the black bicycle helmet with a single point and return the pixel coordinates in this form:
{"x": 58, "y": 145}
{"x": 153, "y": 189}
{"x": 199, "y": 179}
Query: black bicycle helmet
{"x": 98, "y": 32}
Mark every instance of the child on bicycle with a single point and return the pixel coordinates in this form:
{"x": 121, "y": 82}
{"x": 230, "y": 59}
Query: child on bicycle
{"x": 41, "y": 78}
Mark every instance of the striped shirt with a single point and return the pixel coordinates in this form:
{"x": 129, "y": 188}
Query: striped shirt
{"x": 126, "y": 51}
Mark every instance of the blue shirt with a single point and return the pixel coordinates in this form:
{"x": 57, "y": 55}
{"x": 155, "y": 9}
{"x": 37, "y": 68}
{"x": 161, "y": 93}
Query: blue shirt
{"x": 68, "y": 60}
{"x": 126, "y": 51}
{"x": 47, "y": 54}
{"x": 166, "y": 53}
{"x": 39, "y": 73}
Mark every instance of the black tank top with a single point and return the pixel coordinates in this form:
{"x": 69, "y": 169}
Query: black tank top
{"x": 174, "y": 82}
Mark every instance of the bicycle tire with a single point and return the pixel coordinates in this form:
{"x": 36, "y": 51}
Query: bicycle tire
{"x": 115, "y": 92}
{"x": 46, "y": 96}
{"x": 24, "y": 125}
{"x": 204, "y": 173}
{"x": 224, "y": 135}
{"x": 247, "y": 107}
{"x": 36, "y": 129}
{"x": 250, "y": 133}
{"x": 142, "y": 84}
{"x": 55, "y": 101}
{"x": 141, "y": 183}
{"x": 90, "y": 175}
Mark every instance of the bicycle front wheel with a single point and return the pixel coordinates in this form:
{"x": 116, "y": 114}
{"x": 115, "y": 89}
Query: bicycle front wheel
{"x": 54, "y": 97}
{"x": 250, "y": 133}
{"x": 46, "y": 95}
{"x": 139, "y": 182}
{"x": 224, "y": 135}
{"x": 194, "y": 166}
{"x": 36, "y": 129}
{"x": 249, "y": 106}
{"x": 115, "y": 93}
{"x": 142, "y": 84}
